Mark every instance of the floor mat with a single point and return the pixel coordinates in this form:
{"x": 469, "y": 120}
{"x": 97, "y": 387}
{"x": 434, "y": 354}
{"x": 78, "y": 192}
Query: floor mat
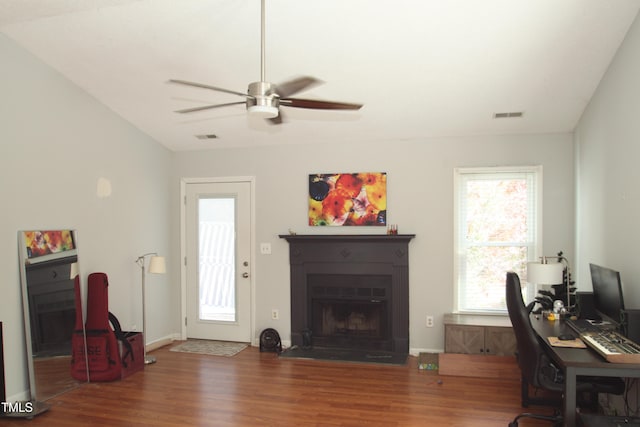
{"x": 213, "y": 348}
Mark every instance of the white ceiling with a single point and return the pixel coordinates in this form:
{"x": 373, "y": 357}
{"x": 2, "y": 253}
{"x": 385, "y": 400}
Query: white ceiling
{"x": 422, "y": 68}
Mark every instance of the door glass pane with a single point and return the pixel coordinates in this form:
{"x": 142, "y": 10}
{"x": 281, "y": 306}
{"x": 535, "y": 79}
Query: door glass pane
{"x": 217, "y": 253}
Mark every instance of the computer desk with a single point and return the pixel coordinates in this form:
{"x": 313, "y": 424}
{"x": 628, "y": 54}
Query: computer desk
{"x": 577, "y": 361}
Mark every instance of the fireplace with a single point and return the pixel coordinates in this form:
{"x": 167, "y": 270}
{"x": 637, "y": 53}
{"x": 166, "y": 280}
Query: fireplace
{"x": 350, "y": 291}
{"x": 52, "y": 307}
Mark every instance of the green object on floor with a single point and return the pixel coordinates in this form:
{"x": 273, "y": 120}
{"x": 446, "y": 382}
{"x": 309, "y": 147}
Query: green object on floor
{"x": 428, "y": 362}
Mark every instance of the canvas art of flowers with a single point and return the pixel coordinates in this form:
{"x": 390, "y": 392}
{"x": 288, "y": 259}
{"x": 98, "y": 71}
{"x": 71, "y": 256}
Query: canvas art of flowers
{"x": 348, "y": 199}
{"x": 47, "y": 242}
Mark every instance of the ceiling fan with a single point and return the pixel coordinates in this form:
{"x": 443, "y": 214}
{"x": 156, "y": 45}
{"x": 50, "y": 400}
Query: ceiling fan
{"x": 264, "y": 99}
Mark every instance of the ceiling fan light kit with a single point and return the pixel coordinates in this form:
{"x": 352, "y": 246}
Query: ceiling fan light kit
{"x": 263, "y": 111}
{"x": 263, "y": 99}
{"x": 261, "y": 102}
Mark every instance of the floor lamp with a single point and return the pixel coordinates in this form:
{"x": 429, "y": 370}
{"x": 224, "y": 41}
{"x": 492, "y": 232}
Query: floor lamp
{"x": 156, "y": 266}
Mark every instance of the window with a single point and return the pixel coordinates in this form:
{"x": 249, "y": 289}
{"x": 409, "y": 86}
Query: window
{"x": 497, "y": 217}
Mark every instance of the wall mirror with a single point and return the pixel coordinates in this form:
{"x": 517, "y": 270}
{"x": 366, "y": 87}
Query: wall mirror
{"x": 49, "y": 273}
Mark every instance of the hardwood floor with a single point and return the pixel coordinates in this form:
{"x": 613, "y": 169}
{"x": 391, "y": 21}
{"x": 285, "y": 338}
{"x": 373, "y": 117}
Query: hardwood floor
{"x": 260, "y": 389}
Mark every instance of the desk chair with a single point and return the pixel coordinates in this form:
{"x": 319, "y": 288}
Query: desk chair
{"x": 536, "y": 366}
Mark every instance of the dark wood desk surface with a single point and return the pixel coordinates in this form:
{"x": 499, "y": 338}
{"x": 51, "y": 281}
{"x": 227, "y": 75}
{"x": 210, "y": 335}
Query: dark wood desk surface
{"x": 577, "y": 361}
{"x": 580, "y": 357}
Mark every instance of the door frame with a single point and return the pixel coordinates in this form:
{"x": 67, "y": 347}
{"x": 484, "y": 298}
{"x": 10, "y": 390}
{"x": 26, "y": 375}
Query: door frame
{"x": 183, "y": 246}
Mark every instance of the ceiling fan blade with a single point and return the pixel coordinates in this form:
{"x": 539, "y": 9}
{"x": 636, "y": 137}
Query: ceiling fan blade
{"x": 319, "y": 105}
{"x": 290, "y": 87}
{"x": 203, "y": 86}
{"x": 208, "y": 107}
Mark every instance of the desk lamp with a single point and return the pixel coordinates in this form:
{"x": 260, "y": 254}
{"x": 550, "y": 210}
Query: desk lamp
{"x": 546, "y": 273}
{"x": 156, "y": 266}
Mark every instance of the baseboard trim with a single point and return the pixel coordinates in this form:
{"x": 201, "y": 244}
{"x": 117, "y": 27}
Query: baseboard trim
{"x": 162, "y": 342}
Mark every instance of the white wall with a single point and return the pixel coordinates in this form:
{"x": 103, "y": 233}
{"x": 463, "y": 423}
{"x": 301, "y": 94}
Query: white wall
{"x": 607, "y": 141}
{"x": 420, "y": 200}
{"x": 55, "y": 142}
{"x": 608, "y": 195}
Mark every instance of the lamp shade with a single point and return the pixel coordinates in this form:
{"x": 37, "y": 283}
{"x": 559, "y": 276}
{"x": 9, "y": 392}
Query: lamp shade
{"x": 545, "y": 274}
{"x": 73, "y": 272}
{"x": 157, "y": 265}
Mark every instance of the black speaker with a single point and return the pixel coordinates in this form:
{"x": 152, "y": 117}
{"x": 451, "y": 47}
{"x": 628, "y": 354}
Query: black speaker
{"x": 630, "y": 322}
{"x": 270, "y": 341}
{"x": 585, "y": 308}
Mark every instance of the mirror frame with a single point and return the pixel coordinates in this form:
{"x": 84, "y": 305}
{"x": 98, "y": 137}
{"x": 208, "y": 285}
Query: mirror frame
{"x": 47, "y": 254}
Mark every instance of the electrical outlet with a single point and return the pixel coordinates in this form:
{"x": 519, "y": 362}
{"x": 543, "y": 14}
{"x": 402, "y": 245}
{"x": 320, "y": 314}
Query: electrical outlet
{"x": 265, "y": 248}
{"x": 429, "y": 321}
{"x": 275, "y": 314}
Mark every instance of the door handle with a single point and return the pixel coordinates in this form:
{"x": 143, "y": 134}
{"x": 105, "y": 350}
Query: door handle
{"x": 245, "y": 275}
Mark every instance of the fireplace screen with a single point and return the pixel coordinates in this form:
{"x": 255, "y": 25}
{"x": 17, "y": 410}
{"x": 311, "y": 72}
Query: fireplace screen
{"x": 343, "y": 322}
{"x": 350, "y": 311}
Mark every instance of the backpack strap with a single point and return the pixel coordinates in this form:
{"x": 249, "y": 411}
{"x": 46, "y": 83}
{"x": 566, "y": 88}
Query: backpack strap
{"x": 115, "y": 324}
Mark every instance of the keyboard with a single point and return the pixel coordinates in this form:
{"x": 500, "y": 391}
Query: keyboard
{"x": 581, "y": 326}
{"x": 614, "y": 347}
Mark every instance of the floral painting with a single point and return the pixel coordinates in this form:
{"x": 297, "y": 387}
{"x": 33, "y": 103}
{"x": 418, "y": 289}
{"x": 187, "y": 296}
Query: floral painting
{"x": 348, "y": 199}
{"x": 46, "y": 242}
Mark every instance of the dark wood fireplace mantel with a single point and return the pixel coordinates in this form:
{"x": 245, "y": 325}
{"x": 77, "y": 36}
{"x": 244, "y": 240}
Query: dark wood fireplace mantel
{"x": 351, "y": 255}
{"x": 346, "y": 237}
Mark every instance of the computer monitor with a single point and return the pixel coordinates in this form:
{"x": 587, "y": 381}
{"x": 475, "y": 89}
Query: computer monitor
{"x": 607, "y": 293}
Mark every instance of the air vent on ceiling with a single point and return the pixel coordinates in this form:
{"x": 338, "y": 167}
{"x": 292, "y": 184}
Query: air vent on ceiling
{"x": 509, "y": 115}
{"x": 209, "y": 136}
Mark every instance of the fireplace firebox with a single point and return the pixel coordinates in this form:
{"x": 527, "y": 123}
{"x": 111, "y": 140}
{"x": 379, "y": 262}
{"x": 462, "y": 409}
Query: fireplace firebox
{"x": 350, "y": 291}
{"x": 350, "y": 311}
{"x": 52, "y": 306}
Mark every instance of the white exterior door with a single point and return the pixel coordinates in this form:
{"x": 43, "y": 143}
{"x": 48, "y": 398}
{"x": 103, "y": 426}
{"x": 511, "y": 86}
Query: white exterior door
{"x": 218, "y": 260}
